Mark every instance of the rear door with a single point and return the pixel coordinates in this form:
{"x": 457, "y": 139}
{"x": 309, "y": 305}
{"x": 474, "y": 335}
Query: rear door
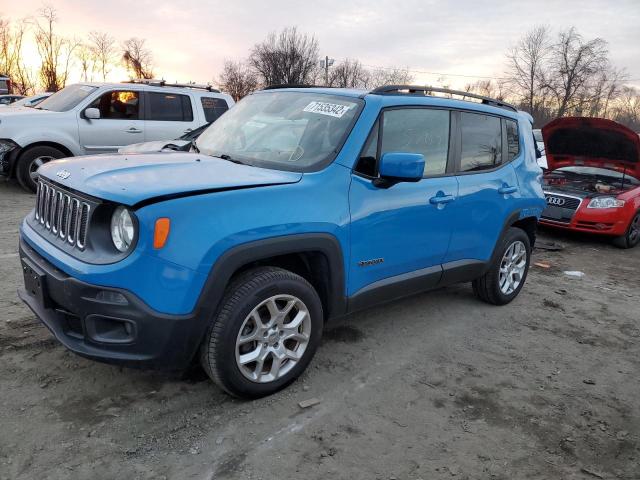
{"x": 487, "y": 182}
{"x": 168, "y": 115}
{"x": 120, "y": 122}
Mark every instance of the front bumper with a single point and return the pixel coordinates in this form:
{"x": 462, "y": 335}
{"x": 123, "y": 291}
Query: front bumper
{"x": 107, "y": 324}
{"x": 607, "y": 221}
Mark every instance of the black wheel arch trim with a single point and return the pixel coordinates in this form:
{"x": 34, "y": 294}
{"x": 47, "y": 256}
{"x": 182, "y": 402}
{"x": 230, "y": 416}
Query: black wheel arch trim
{"x": 242, "y": 255}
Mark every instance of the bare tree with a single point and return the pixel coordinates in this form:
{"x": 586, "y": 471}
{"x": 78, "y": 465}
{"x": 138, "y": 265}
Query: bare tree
{"x": 489, "y": 88}
{"x": 527, "y": 63}
{"x": 626, "y": 109}
{"x": 575, "y": 65}
{"x": 86, "y": 62}
{"x": 388, "y": 76}
{"x": 103, "y": 48}
{"x": 11, "y": 57}
{"x": 238, "y": 79}
{"x": 348, "y": 74}
{"x": 137, "y": 58}
{"x": 56, "y": 52}
{"x": 286, "y": 58}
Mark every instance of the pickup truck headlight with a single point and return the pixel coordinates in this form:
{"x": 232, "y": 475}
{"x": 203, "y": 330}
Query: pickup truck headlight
{"x": 605, "y": 202}
{"x": 123, "y": 229}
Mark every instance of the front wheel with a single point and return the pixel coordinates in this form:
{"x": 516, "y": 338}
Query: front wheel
{"x": 265, "y": 333}
{"x": 632, "y": 237}
{"x": 30, "y": 161}
{"x": 508, "y": 271}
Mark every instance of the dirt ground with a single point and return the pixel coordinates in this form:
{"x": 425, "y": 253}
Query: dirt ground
{"x": 434, "y": 386}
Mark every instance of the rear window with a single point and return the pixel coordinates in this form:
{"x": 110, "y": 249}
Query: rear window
{"x": 481, "y": 142}
{"x": 213, "y": 108}
{"x": 169, "y": 107}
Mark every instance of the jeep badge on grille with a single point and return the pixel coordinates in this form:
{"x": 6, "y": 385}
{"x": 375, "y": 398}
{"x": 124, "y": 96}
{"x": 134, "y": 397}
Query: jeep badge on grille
{"x": 63, "y": 174}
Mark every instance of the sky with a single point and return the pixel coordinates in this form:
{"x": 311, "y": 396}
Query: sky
{"x": 451, "y": 43}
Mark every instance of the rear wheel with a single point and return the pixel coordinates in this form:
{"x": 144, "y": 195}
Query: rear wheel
{"x": 265, "y": 334}
{"x": 508, "y": 271}
{"x": 29, "y": 162}
{"x": 632, "y": 237}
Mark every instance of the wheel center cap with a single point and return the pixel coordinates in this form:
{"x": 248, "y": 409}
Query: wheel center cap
{"x": 273, "y": 337}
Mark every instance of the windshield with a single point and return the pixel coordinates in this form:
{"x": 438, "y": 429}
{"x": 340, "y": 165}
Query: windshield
{"x": 297, "y": 131}
{"x": 67, "y": 98}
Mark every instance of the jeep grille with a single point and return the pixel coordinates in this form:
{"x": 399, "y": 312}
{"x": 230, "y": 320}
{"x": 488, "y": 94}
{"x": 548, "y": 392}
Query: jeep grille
{"x": 63, "y": 214}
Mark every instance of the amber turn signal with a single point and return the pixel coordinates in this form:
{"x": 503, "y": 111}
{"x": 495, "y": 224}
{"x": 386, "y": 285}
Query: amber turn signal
{"x": 161, "y": 232}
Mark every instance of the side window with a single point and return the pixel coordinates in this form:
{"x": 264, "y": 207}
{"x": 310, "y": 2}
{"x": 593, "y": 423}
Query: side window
{"x": 481, "y": 142}
{"x": 367, "y": 162}
{"x": 513, "y": 140}
{"x": 418, "y": 130}
{"x": 213, "y": 108}
{"x": 169, "y": 107}
{"x": 118, "y": 105}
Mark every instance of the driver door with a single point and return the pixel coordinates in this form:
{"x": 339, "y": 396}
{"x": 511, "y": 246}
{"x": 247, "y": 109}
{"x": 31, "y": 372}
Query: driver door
{"x": 120, "y": 122}
{"x": 402, "y": 232}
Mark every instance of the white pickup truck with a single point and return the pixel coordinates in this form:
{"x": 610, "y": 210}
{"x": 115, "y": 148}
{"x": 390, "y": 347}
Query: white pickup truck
{"x": 90, "y": 118}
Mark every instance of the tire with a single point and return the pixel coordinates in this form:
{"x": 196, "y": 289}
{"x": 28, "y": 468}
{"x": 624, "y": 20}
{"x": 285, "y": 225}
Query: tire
{"x": 247, "y": 310}
{"x": 489, "y": 288}
{"x": 632, "y": 237}
{"x": 30, "y": 160}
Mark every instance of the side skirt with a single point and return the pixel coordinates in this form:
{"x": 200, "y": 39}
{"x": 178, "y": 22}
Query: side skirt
{"x": 418, "y": 281}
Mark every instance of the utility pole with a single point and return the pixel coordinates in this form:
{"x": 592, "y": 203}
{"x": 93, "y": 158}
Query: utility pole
{"x": 326, "y": 63}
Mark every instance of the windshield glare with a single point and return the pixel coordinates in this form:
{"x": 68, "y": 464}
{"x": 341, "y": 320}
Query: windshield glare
{"x": 296, "y": 131}
{"x": 67, "y": 98}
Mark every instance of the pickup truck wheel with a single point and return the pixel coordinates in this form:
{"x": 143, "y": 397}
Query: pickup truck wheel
{"x": 30, "y": 161}
{"x": 508, "y": 271}
{"x": 632, "y": 237}
{"x": 266, "y": 332}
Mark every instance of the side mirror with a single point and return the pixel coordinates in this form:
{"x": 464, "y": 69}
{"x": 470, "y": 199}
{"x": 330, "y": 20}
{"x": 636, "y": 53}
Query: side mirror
{"x": 92, "y": 113}
{"x": 398, "y": 167}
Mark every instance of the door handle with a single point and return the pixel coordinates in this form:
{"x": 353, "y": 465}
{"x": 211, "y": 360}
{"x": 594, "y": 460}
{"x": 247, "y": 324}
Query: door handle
{"x": 133, "y": 130}
{"x": 506, "y": 189}
{"x": 440, "y": 200}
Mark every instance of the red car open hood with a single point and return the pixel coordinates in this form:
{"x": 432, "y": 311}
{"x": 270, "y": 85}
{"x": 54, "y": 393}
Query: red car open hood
{"x": 593, "y": 142}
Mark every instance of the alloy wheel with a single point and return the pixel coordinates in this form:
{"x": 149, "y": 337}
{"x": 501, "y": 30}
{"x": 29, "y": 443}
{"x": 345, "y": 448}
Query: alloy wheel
{"x": 512, "y": 267}
{"x": 634, "y": 230}
{"x": 37, "y": 163}
{"x": 273, "y": 338}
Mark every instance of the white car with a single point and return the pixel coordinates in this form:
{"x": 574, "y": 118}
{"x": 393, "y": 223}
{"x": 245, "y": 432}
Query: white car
{"x": 31, "y": 101}
{"x": 90, "y": 118}
{"x": 542, "y": 161}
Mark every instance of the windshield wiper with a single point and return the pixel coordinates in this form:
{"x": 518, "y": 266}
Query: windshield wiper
{"x": 224, "y": 156}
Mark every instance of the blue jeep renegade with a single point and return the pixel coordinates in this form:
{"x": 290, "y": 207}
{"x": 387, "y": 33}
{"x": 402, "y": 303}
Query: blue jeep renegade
{"x": 296, "y": 206}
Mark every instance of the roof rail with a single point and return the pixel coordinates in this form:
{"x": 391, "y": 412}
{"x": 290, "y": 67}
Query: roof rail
{"x": 163, "y": 83}
{"x": 428, "y": 91}
{"x": 290, "y": 85}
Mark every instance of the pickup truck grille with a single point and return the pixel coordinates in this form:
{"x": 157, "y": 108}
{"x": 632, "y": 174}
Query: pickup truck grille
{"x": 63, "y": 214}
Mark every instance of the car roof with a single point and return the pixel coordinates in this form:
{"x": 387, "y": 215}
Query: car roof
{"x": 156, "y": 88}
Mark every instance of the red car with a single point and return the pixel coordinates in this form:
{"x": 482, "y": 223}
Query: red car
{"x": 593, "y": 181}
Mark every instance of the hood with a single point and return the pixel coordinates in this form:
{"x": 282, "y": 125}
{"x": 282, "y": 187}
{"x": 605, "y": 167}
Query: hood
{"x": 151, "y": 147}
{"x": 131, "y": 179}
{"x": 593, "y": 142}
{"x": 10, "y": 112}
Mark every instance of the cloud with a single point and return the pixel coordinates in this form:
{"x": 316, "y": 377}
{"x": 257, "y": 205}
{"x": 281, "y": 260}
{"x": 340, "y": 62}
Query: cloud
{"x": 192, "y": 38}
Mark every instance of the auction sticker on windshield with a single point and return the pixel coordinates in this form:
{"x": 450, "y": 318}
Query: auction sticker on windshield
{"x": 331, "y": 109}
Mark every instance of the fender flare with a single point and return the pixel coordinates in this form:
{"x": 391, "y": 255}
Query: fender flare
{"x": 237, "y": 257}
{"x": 514, "y": 217}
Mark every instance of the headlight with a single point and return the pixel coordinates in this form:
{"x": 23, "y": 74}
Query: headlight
{"x": 122, "y": 229}
{"x": 605, "y": 202}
